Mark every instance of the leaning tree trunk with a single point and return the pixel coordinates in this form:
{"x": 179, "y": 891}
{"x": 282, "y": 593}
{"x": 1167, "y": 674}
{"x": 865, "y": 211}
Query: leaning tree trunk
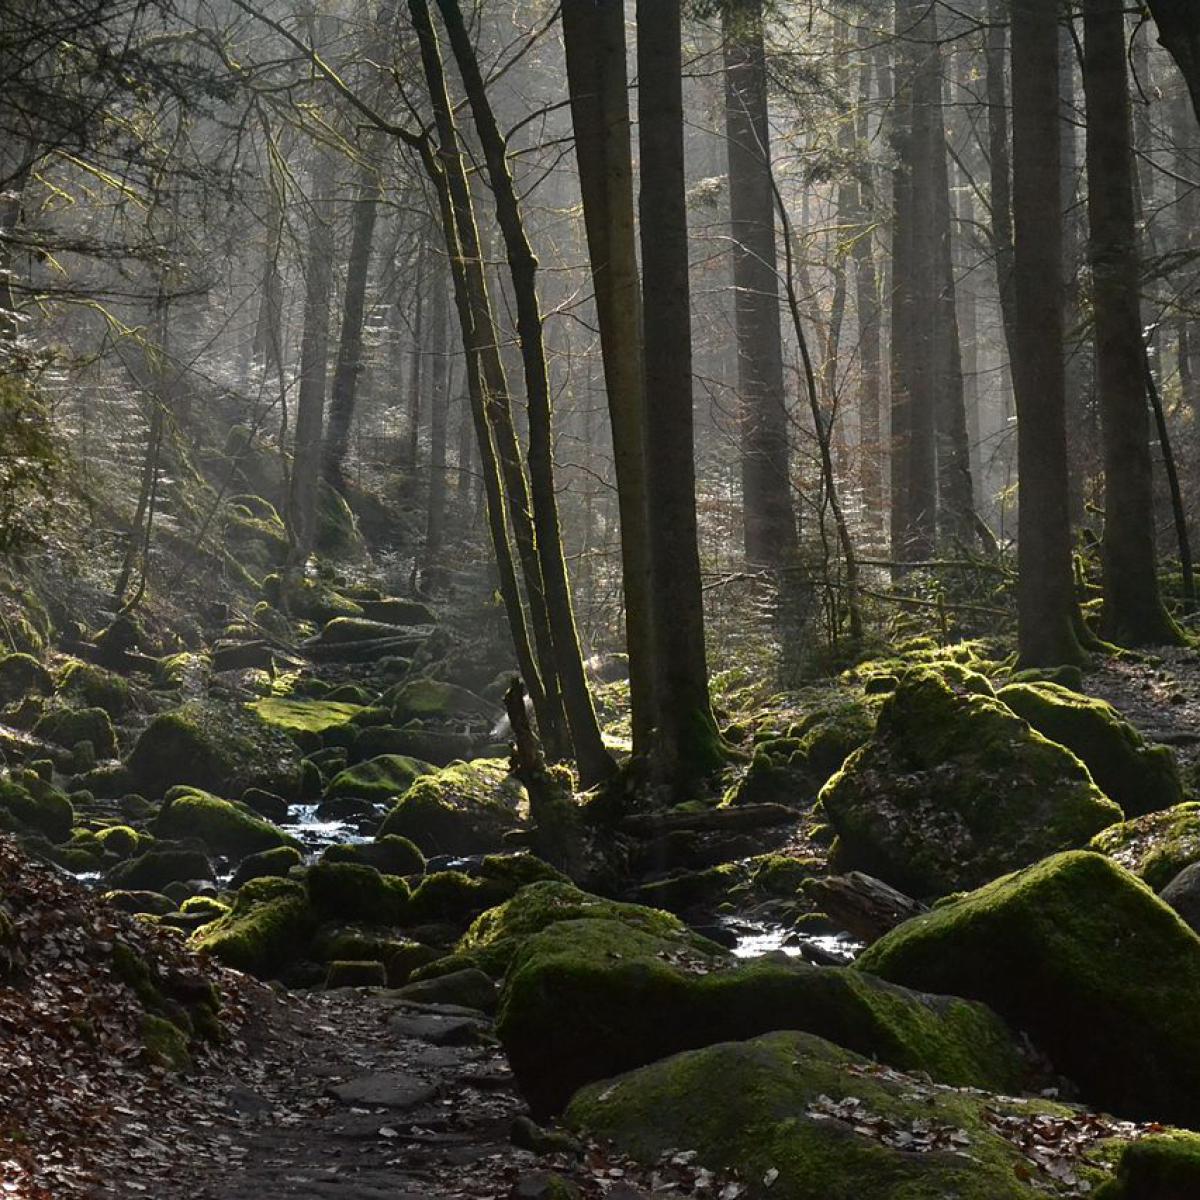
{"x": 1178, "y": 24}
{"x": 591, "y": 756}
{"x": 688, "y": 742}
{"x": 1048, "y": 615}
{"x": 1133, "y": 609}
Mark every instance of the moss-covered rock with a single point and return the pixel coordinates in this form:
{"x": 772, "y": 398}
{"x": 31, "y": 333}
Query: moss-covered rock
{"x": 452, "y": 898}
{"x": 1141, "y": 778}
{"x": 804, "y": 1119}
{"x": 153, "y": 903}
{"x": 94, "y": 687}
{"x": 465, "y": 808}
{"x": 343, "y": 631}
{"x": 22, "y": 675}
{"x": 275, "y": 863}
{"x": 954, "y": 789}
{"x": 207, "y": 908}
{"x": 1155, "y": 847}
{"x": 1161, "y": 1166}
{"x": 119, "y": 840}
{"x": 224, "y": 827}
{"x": 422, "y": 699}
{"x": 829, "y": 734}
{"x": 394, "y": 611}
{"x": 353, "y": 892}
{"x": 584, "y": 1000}
{"x": 355, "y": 973}
{"x": 165, "y": 1044}
{"x": 160, "y": 866}
{"x": 267, "y": 930}
{"x": 380, "y": 780}
{"x": 390, "y": 855}
{"x": 305, "y": 716}
{"x": 220, "y": 748}
{"x": 27, "y": 803}
{"x": 1087, "y": 960}
{"x": 70, "y": 726}
{"x": 308, "y": 597}
{"x": 439, "y": 747}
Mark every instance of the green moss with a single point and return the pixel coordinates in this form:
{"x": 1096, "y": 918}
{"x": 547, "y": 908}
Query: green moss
{"x": 267, "y": 930}
{"x": 1162, "y": 1166}
{"x": 585, "y": 1000}
{"x": 465, "y": 808}
{"x": 1139, "y": 777}
{"x": 205, "y": 906}
{"x": 224, "y": 827}
{"x": 304, "y": 716}
{"x": 425, "y": 698}
{"x": 120, "y": 840}
{"x": 140, "y": 902}
{"x": 398, "y": 612}
{"x": 70, "y": 726}
{"x": 352, "y": 892}
{"x": 826, "y": 737}
{"x": 165, "y": 1044}
{"x": 1088, "y": 961}
{"x": 379, "y": 780}
{"x": 276, "y": 862}
{"x": 156, "y": 868}
{"x": 22, "y": 675}
{"x": 811, "y": 1118}
{"x": 390, "y": 855}
{"x": 310, "y": 598}
{"x": 94, "y": 687}
{"x": 346, "y": 630}
{"x": 33, "y": 804}
{"x": 954, "y": 789}
{"x": 1155, "y": 847}
{"x": 355, "y": 973}
{"x": 453, "y": 898}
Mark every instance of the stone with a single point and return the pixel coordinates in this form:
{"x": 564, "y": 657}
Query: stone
{"x": 1183, "y": 895}
{"x": 392, "y": 1089}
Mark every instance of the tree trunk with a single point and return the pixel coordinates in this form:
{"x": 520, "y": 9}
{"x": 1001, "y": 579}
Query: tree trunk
{"x": 439, "y": 400}
{"x": 769, "y": 520}
{"x": 1178, "y": 24}
{"x": 1048, "y": 615}
{"x": 592, "y": 758}
{"x": 1133, "y": 610}
{"x": 1001, "y": 172}
{"x": 688, "y": 742}
{"x": 416, "y": 381}
{"x": 594, "y": 34}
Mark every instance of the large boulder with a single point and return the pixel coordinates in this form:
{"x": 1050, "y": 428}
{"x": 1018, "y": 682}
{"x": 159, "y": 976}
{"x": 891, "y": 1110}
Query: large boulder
{"x": 1160, "y": 1166}
{"x": 354, "y": 892}
{"x": 465, "y": 808}
{"x": 1088, "y": 961}
{"x": 587, "y": 999}
{"x": 1141, "y": 778}
{"x": 91, "y": 686}
{"x": 268, "y": 929}
{"x": 425, "y": 699}
{"x": 159, "y": 867}
{"x": 70, "y": 726}
{"x": 1156, "y": 846}
{"x": 305, "y": 716}
{"x": 225, "y": 828}
{"x": 22, "y": 675}
{"x": 800, "y": 1118}
{"x": 380, "y": 780}
{"x": 954, "y": 789}
{"x": 29, "y": 804}
{"x": 391, "y": 855}
{"x": 223, "y": 749}
{"x": 1183, "y": 895}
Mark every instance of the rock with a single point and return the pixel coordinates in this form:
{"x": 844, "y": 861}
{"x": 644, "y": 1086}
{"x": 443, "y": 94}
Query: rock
{"x": 454, "y": 898}
{"x": 470, "y": 988}
{"x": 158, "y": 867}
{"x": 1183, "y": 895}
{"x": 527, "y": 1134}
{"x": 1068, "y": 676}
{"x": 220, "y": 748}
{"x": 153, "y": 903}
{"x": 33, "y": 804}
{"x": 1156, "y": 846}
{"x": 267, "y": 930}
{"x": 343, "y": 973}
{"x": 22, "y": 675}
{"x": 390, "y": 855}
{"x": 273, "y": 863}
{"x": 544, "y": 1185}
{"x": 1080, "y": 955}
{"x": 954, "y": 789}
{"x": 864, "y": 907}
{"x": 421, "y": 699}
{"x": 585, "y": 1000}
{"x": 1139, "y": 777}
{"x": 224, "y": 827}
{"x": 391, "y": 1090}
{"x": 804, "y": 1119}
{"x": 381, "y": 780}
{"x": 94, "y": 687}
{"x": 266, "y": 804}
{"x": 353, "y": 892}
{"x": 713, "y": 820}
{"x": 466, "y": 808}
{"x": 393, "y": 611}
{"x": 1160, "y": 1166}
{"x": 305, "y": 716}
{"x": 70, "y": 726}
{"x": 342, "y": 631}
{"x": 437, "y": 746}
{"x": 436, "y": 1028}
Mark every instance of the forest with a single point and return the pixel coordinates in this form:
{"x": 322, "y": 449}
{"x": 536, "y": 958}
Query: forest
{"x": 597, "y": 599}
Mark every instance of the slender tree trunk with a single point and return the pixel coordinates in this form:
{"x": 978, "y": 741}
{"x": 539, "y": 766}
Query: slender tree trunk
{"x": 466, "y": 464}
{"x": 688, "y": 742}
{"x": 1001, "y": 171}
{"x": 594, "y": 34}
{"x": 1133, "y": 609}
{"x": 439, "y": 400}
{"x": 350, "y": 345}
{"x": 416, "y": 381}
{"x": 1048, "y": 614}
{"x": 592, "y": 758}
{"x": 769, "y": 520}
{"x": 268, "y": 329}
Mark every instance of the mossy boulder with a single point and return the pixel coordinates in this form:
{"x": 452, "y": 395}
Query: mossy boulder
{"x": 423, "y": 699}
{"x": 119, "y": 840}
{"x": 380, "y": 780}
{"x": 355, "y": 973}
{"x": 390, "y": 855}
{"x": 94, "y": 687}
{"x": 1082, "y": 956}
{"x": 70, "y": 726}
{"x": 224, "y": 827}
{"x": 29, "y": 803}
{"x": 308, "y": 597}
{"x": 465, "y": 808}
{"x": 304, "y": 716}
{"x": 354, "y": 892}
{"x": 1161, "y": 1166}
{"x": 158, "y": 867}
{"x": 153, "y": 903}
{"x": 165, "y": 1044}
{"x": 1156, "y": 846}
{"x": 343, "y": 631}
{"x": 1141, "y": 778}
{"x": 453, "y": 898}
{"x": 954, "y": 789}
{"x": 22, "y": 675}
{"x": 276, "y": 863}
{"x": 804, "y": 1119}
{"x": 395, "y": 611}
{"x": 584, "y": 1000}
{"x": 267, "y": 930}
{"x": 440, "y": 747}
{"x": 221, "y": 748}
{"x": 829, "y": 734}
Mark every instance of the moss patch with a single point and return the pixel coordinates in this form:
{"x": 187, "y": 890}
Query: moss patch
{"x": 267, "y": 930}
{"x": 379, "y": 780}
{"x": 29, "y": 803}
{"x": 1156, "y": 846}
{"x": 94, "y": 687}
{"x": 224, "y": 827}
{"x": 390, "y": 855}
{"x": 304, "y": 716}
{"x": 1086, "y": 959}
{"x": 70, "y": 726}
{"x": 1164, "y": 1166}
{"x": 352, "y": 892}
